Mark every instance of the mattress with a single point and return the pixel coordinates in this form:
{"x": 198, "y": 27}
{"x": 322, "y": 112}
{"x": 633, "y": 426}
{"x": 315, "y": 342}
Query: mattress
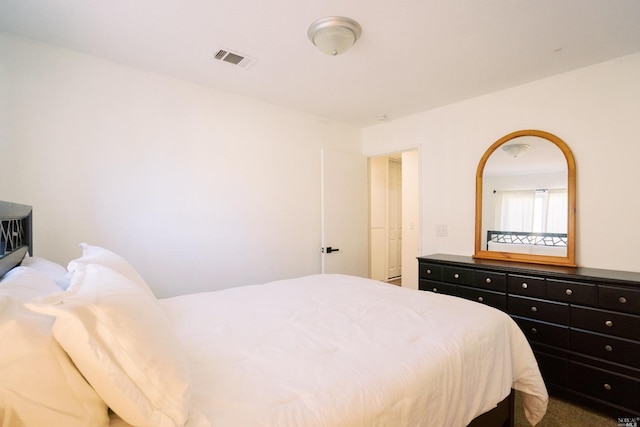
{"x": 334, "y": 350}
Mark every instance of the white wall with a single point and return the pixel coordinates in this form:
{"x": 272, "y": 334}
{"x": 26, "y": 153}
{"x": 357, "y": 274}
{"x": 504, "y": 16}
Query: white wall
{"x": 595, "y": 110}
{"x": 197, "y": 188}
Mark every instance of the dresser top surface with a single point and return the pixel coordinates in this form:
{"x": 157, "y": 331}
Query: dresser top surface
{"x": 581, "y": 273}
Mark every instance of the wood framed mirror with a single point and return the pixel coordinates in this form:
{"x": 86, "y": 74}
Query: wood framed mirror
{"x": 526, "y": 200}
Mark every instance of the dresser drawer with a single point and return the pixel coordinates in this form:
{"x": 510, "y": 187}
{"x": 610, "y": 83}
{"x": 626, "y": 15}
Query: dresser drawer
{"x": 544, "y": 333}
{"x": 606, "y": 322}
{"x": 490, "y": 280}
{"x": 430, "y": 271}
{"x": 555, "y": 312}
{"x": 571, "y": 292}
{"x": 619, "y": 299}
{"x": 527, "y": 286}
{"x": 457, "y": 275}
{"x": 494, "y": 299}
{"x": 554, "y": 369}
{"x": 438, "y": 287}
{"x": 608, "y": 386}
{"x": 606, "y": 347}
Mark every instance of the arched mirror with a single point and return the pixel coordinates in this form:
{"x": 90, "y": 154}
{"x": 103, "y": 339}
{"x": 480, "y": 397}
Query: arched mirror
{"x": 526, "y": 200}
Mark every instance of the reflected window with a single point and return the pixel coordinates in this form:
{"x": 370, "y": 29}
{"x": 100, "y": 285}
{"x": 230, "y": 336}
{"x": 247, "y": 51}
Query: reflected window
{"x": 537, "y": 211}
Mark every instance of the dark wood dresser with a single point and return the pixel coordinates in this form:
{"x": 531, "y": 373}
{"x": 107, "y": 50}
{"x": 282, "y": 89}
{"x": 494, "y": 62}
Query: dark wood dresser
{"x": 582, "y": 323}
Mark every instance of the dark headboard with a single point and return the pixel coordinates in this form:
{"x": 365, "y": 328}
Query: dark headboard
{"x": 527, "y": 238}
{"x": 15, "y": 234}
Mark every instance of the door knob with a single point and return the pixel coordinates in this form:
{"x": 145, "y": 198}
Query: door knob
{"x": 329, "y": 249}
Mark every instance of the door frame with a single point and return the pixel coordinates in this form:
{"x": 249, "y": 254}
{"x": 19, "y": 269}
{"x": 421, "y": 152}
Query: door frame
{"x": 411, "y": 220}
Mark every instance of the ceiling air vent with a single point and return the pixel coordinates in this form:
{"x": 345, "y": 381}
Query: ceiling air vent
{"x": 235, "y": 58}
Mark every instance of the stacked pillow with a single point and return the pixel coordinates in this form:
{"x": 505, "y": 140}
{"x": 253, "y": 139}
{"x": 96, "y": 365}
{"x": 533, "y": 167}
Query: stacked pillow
{"x": 39, "y": 384}
{"x": 54, "y": 271}
{"x": 106, "y": 258}
{"x": 111, "y": 326}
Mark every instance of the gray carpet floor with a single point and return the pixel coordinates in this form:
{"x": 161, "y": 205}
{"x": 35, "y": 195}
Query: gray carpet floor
{"x": 564, "y": 414}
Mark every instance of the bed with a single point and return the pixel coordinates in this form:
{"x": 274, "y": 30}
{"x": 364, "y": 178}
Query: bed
{"x": 90, "y": 345}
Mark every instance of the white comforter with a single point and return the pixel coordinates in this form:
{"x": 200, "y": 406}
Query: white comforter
{"x": 333, "y": 350}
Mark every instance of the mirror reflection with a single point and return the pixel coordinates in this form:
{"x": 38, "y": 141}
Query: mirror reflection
{"x": 526, "y": 200}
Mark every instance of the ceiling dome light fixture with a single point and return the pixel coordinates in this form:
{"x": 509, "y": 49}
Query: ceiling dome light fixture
{"x": 515, "y": 150}
{"x": 333, "y": 35}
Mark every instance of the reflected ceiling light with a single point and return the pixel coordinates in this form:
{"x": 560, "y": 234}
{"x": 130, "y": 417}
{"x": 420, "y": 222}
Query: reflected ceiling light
{"x": 515, "y": 150}
{"x": 333, "y": 35}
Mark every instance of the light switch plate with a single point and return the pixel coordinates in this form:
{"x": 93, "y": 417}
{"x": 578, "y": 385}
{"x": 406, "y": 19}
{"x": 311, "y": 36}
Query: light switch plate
{"x": 441, "y": 230}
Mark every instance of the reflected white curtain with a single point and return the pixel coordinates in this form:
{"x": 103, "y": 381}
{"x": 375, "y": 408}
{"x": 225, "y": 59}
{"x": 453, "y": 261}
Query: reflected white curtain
{"x": 557, "y": 209}
{"x": 542, "y": 211}
{"x": 514, "y": 210}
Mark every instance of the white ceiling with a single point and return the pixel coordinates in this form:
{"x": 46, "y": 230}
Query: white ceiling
{"x": 413, "y": 55}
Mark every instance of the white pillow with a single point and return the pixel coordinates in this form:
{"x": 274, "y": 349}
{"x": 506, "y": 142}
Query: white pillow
{"x": 54, "y": 271}
{"x": 101, "y": 256}
{"x": 122, "y": 342}
{"x": 39, "y": 385}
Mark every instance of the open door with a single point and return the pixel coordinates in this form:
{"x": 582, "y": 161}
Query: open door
{"x": 344, "y": 214}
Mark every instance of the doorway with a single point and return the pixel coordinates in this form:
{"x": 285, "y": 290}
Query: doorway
{"x": 394, "y": 218}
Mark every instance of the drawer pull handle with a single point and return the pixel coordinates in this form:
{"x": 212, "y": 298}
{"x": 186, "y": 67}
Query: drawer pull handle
{"x": 480, "y": 299}
{"x": 456, "y": 276}
{"x": 488, "y": 280}
{"x": 428, "y": 271}
{"x": 525, "y": 286}
{"x": 435, "y": 289}
{"x": 609, "y": 323}
{"x": 534, "y": 309}
{"x": 622, "y": 300}
{"x": 568, "y": 292}
{"x": 534, "y": 331}
{"x": 607, "y": 387}
{"x": 608, "y": 348}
